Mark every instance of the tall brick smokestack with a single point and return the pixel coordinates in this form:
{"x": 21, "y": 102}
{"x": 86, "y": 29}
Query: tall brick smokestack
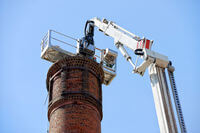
{"x": 75, "y": 96}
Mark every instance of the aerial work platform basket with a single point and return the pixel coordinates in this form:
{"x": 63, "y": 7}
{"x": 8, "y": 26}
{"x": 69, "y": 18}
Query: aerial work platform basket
{"x": 52, "y": 52}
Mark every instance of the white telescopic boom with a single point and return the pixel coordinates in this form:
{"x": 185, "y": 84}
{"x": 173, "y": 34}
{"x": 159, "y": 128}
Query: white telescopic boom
{"x": 121, "y": 35}
{"x": 157, "y": 63}
{"x": 162, "y": 100}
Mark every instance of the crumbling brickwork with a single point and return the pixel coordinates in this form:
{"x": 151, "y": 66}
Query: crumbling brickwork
{"x": 75, "y": 96}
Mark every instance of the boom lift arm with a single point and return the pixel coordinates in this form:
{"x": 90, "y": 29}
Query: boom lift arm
{"x": 141, "y": 47}
{"x": 156, "y": 63}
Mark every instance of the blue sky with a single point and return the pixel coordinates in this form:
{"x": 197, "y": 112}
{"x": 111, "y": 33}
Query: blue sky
{"x": 128, "y": 104}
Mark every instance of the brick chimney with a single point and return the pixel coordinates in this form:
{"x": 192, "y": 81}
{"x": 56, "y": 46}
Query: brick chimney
{"x": 74, "y": 85}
